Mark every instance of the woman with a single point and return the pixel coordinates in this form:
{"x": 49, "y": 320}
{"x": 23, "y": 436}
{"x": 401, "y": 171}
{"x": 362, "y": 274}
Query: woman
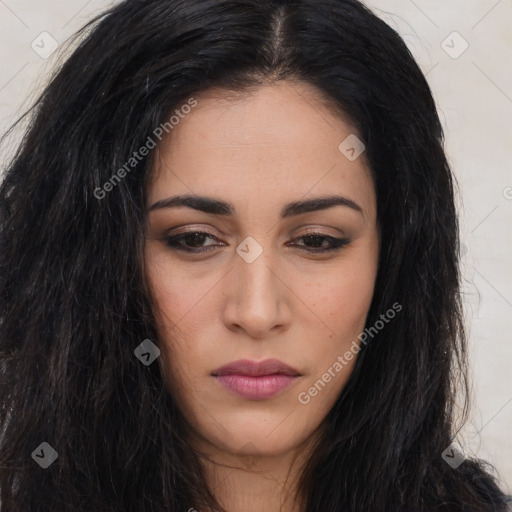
{"x": 229, "y": 272}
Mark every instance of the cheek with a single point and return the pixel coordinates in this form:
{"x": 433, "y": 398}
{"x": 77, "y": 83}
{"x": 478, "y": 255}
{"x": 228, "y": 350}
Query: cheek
{"x": 175, "y": 302}
{"x": 179, "y": 293}
{"x": 343, "y": 298}
{"x": 342, "y": 303}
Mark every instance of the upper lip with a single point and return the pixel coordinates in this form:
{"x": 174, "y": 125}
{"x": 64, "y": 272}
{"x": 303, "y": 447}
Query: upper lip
{"x": 255, "y": 368}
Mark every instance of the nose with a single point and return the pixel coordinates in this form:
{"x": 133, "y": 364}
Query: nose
{"x": 258, "y": 297}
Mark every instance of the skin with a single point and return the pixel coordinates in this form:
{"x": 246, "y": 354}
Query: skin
{"x": 259, "y": 151}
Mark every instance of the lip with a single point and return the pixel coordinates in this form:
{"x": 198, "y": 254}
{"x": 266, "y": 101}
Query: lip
{"x": 255, "y": 368}
{"x": 256, "y": 380}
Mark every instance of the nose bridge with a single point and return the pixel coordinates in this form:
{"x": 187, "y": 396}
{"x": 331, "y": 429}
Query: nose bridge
{"x": 253, "y": 268}
{"x": 256, "y": 290}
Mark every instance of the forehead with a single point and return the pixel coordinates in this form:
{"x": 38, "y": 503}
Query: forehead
{"x": 271, "y": 141}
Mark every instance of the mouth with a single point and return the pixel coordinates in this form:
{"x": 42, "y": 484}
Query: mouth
{"x": 256, "y": 380}
{"x": 256, "y": 369}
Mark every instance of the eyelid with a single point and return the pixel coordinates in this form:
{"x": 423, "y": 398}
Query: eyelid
{"x": 318, "y": 231}
{"x": 191, "y": 229}
{"x": 197, "y": 228}
{"x": 336, "y": 243}
{"x": 310, "y": 231}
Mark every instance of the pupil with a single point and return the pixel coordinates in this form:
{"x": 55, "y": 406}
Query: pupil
{"x": 196, "y": 238}
{"x": 317, "y": 240}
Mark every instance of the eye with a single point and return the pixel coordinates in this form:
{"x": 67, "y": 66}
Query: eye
{"x": 192, "y": 242}
{"x": 317, "y": 242}
{"x": 191, "y": 238}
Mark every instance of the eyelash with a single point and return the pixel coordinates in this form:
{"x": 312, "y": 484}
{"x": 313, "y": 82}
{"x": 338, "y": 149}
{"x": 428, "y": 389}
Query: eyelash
{"x": 174, "y": 242}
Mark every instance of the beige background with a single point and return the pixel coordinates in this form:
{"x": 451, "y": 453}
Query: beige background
{"x": 473, "y": 90}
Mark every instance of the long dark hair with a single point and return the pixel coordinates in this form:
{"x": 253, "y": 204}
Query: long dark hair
{"x": 75, "y": 303}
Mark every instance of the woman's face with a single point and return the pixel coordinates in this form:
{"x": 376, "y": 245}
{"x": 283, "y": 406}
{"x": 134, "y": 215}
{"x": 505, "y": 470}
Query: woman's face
{"x": 264, "y": 289}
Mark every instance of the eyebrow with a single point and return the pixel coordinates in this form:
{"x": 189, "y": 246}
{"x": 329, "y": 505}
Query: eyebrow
{"x": 218, "y": 207}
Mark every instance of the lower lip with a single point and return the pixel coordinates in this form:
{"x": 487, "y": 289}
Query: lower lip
{"x": 256, "y": 388}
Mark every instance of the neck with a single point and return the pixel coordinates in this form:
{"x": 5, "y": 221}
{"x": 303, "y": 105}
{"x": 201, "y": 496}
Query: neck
{"x": 254, "y": 481}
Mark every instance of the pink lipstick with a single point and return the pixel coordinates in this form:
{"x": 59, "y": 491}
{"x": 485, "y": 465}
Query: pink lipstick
{"x": 256, "y": 380}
